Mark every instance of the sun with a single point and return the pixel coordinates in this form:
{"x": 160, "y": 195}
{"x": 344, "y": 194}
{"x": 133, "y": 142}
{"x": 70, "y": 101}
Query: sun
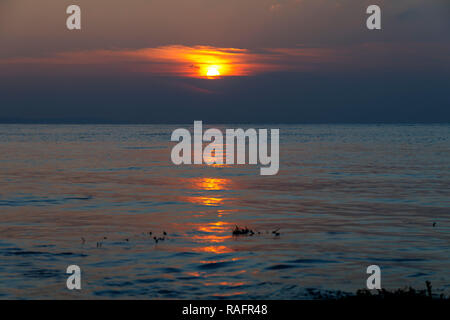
{"x": 213, "y": 71}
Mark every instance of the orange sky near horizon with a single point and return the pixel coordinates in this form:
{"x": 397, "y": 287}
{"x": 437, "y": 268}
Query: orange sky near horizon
{"x": 208, "y": 62}
{"x": 184, "y": 61}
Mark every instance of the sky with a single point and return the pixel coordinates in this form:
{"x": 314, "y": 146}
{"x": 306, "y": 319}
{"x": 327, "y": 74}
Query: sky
{"x": 235, "y": 61}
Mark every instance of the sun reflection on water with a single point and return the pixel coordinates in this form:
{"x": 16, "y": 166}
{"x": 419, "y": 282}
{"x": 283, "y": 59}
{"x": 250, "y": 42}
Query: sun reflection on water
{"x": 209, "y": 184}
{"x": 212, "y": 183}
{"x": 214, "y": 233}
{"x": 214, "y": 249}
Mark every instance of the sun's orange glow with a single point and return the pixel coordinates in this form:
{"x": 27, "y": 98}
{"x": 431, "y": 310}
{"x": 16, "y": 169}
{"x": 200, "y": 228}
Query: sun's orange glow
{"x": 200, "y": 61}
{"x": 212, "y": 183}
{"x": 206, "y": 201}
{"x": 218, "y": 151}
{"x": 226, "y": 283}
{"x": 216, "y": 226}
{"x": 190, "y": 61}
{"x": 213, "y": 71}
{"x": 214, "y": 249}
{"x": 209, "y": 184}
{"x": 210, "y": 238}
{"x": 229, "y": 294}
{"x": 215, "y": 232}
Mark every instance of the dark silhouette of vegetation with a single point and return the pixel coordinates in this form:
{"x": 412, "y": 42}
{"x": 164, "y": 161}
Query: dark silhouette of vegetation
{"x": 242, "y": 231}
{"x": 381, "y": 294}
{"x": 238, "y": 231}
{"x": 276, "y": 232}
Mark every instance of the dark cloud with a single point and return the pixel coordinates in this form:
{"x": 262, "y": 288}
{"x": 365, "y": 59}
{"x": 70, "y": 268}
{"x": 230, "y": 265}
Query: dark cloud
{"x": 278, "y": 97}
{"x": 34, "y": 28}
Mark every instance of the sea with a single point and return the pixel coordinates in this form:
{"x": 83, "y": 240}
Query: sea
{"x": 108, "y": 198}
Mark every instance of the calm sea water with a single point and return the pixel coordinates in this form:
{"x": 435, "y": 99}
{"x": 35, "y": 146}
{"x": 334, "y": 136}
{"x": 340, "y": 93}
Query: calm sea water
{"x": 346, "y": 197}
